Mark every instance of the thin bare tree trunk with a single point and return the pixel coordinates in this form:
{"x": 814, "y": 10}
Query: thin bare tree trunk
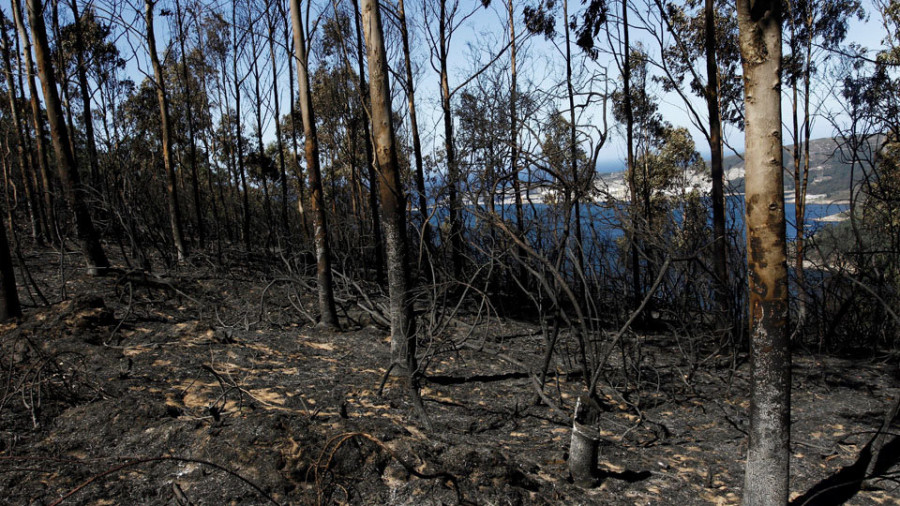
{"x": 166, "y": 125}
{"x": 767, "y": 477}
{"x": 95, "y": 258}
{"x": 192, "y": 142}
{"x": 514, "y": 133}
{"x": 317, "y": 202}
{"x": 393, "y": 202}
{"x": 88, "y": 117}
{"x": 632, "y": 174}
{"x": 37, "y": 118}
{"x": 414, "y": 127}
{"x": 720, "y": 246}
{"x": 456, "y": 239}
{"x": 285, "y": 224}
{"x": 257, "y": 97}
{"x": 9, "y": 297}
{"x": 575, "y": 189}
{"x": 23, "y": 155}
{"x": 370, "y": 162}
{"x": 301, "y": 187}
{"x": 239, "y": 141}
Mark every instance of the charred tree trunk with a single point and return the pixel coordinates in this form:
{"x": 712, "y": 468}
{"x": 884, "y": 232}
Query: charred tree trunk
{"x": 631, "y": 170}
{"x": 767, "y": 477}
{"x": 298, "y": 170}
{"x": 89, "y": 239}
{"x": 456, "y": 239}
{"x": 575, "y": 190}
{"x": 257, "y": 97}
{"x": 23, "y": 154}
{"x": 514, "y": 136}
{"x": 370, "y": 161}
{"x": 393, "y": 201}
{"x": 37, "y": 119}
{"x": 87, "y": 113}
{"x": 192, "y": 142}
{"x": 720, "y": 246}
{"x": 9, "y": 297}
{"x": 585, "y": 443}
{"x": 317, "y": 202}
{"x": 238, "y": 125}
{"x": 414, "y": 129}
{"x": 166, "y": 125}
{"x": 285, "y": 224}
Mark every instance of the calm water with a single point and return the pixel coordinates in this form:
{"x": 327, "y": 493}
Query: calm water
{"x": 602, "y": 221}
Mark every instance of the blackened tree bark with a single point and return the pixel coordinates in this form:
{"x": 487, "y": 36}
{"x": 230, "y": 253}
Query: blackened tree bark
{"x": 720, "y": 247}
{"x": 37, "y": 118}
{"x": 279, "y": 141}
{"x": 445, "y": 31}
{"x": 317, "y": 201}
{"x": 393, "y": 204}
{"x": 89, "y": 239}
{"x": 514, "y": 132}
{"x": 9, "y": 297}
{"x": 370, "y": 161}
{"x": 632, "y": 170}
{"x": 239, "y": 127}
{"x": 414, "y": 127}
{"x": 23, "y": 153}
{"x": 166, "y": 124}
{"x": 87, "y": 114}
{"x": 767, "y": 478}
{"x": 192, "y": 142}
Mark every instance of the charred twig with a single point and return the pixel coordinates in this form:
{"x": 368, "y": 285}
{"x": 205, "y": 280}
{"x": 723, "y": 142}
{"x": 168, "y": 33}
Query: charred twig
{"x": 326, "y": 457}
{"x": 140, "y": 461}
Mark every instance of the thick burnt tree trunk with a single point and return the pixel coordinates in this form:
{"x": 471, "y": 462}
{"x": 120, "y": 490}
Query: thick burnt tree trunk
{"x": 767, "y": 478}
{"x": 317, "y": 200}
{"x": 89, "y": 239}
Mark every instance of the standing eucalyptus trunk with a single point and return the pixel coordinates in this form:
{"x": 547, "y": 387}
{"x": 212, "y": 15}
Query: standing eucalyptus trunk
{"x": 393, "y": 203}
{"x": 767, "y": 477}
{"x": 238, "y": 125}
{"x": 37, "y": 118}
{"x": 370, "y": 161}
{"x": 89, "y": 239}
{"x": 414, "y": 128}
{"x": 9, "y": 297}
{"x": 514, "y": 135}
{"x": 166, "y": 124}
{"x": 23, "y": 153}
{"x": 192, "y": 141}
{"x": 279, "y": 141}
{"x": 720, "y": 246}
{"x": 87, "y": 114}
{"x": 456, "y": 237}
{"x": 317, "y": 201}
{"x": 632, "y": 170}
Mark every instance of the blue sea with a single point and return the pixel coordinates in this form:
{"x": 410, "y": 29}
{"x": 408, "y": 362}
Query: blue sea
{"x": 604, "y": 221}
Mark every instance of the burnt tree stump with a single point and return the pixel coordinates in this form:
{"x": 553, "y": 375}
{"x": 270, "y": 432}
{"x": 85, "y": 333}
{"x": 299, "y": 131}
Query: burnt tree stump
{"x": 583, "y": 449}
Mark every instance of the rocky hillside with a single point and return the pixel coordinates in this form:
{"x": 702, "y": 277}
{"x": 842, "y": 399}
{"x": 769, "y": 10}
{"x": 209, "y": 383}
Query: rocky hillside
{"x": 829, "y": 179}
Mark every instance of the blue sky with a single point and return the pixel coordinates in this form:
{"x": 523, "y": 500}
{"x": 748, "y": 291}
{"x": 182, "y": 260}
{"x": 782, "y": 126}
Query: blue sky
{"x": 481, "y": 35}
